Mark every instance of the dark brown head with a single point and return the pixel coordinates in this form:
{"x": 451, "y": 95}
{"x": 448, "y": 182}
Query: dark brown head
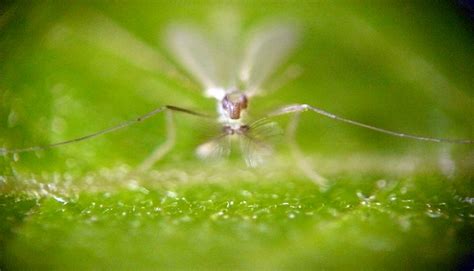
{"x": 233, "y": 103}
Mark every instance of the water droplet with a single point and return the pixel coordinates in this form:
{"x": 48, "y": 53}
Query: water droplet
{"x": 59, "y": 199}
{"x": 468, "y": 200}
{"x": 434, "y": 213}
{"x": 171, "y": 194}
{"x": 365, "y": 198}
{"x": 217, "y": 215}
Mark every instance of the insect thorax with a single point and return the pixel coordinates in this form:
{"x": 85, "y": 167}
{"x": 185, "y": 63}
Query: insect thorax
{"x": 235, "y": 130}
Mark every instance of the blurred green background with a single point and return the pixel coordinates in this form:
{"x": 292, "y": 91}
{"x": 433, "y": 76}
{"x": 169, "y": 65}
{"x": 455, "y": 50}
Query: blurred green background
{"x": 75, "y": 67}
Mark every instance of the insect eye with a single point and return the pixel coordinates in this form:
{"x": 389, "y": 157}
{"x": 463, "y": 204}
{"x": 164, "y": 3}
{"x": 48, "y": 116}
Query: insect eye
{"x": 226, "y": 103}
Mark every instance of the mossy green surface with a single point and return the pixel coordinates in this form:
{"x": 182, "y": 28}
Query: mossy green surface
{"x": 255, "y": 223}
{"x": 71, "y": 69}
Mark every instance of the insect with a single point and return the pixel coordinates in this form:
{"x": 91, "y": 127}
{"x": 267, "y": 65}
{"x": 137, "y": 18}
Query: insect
{"x": 232, "y": 74}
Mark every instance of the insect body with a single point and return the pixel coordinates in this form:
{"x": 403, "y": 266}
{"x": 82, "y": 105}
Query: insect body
{"x": 232, "y": 73}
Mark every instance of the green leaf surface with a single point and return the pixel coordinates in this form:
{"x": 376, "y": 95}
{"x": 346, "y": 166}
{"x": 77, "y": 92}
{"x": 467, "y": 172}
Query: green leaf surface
{"x": 70, "y": 69}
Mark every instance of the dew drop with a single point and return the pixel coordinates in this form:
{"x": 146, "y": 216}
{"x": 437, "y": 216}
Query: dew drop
{"x": 469, "y": 200}
{"x": 434, "y": 213}
{"x": 59, "y": 199}
{"x": 171, "y": 194}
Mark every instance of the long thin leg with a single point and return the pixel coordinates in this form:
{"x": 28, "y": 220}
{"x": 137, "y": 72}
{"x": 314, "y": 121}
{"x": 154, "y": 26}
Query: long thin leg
{"x": 298, "y": 155}
{"x": 304, "y": 107}
{"x": 164, "y": 148}
{"x": 105, "y": 131}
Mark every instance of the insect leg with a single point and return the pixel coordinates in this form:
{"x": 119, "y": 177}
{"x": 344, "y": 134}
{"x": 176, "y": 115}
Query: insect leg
{"x": 120, "y": 126}
{"x": 164, "y": 148}
{"x": 304, "y": 107}
{"x": 298, "y": 155}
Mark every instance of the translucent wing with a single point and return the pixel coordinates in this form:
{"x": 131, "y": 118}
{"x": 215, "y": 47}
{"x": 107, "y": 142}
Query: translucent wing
{"x": 268, "y": 47}
{"x": 208, "y": 59}
{"x": 254, "y": 152}
{"x": 215, "y": 148}
{"x": 256, "y": 145}
{"x": 194, "y": 53}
